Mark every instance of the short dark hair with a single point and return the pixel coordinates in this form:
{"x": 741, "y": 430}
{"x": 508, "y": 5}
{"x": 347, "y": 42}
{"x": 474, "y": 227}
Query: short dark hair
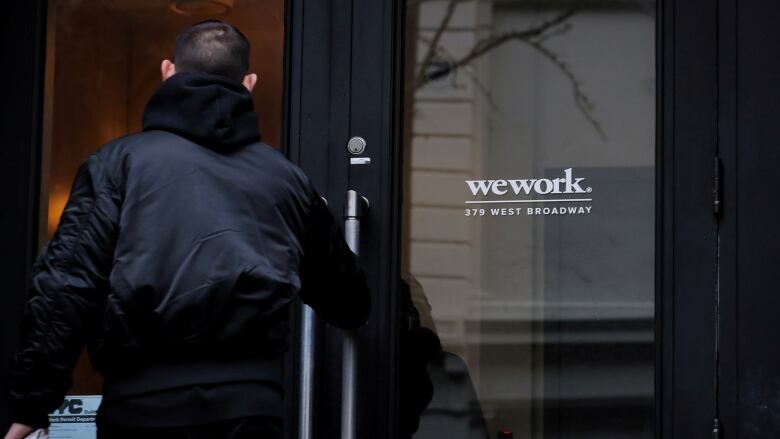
{"x": 213, "y": 47}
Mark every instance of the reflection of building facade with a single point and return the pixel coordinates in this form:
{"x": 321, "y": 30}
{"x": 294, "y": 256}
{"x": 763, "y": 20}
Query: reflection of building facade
{"x": 549, "y": 312}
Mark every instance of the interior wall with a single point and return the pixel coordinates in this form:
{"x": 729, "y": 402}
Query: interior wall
{"x": 90, "y": 92}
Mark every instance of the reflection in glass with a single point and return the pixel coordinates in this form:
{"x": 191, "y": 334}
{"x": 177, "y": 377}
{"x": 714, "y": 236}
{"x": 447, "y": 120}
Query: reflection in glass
{"x": 529, "y": 215}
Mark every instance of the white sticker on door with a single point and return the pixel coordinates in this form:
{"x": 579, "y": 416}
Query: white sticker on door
{"x": 75, "y": 418}
{"x": 566, "y": 195}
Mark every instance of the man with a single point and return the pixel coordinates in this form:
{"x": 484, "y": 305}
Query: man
{"x": 176, "y": 260}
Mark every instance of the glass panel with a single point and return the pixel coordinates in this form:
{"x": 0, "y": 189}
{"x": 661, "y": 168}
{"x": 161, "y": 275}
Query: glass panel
{"x": 529, "y": 216}
{"x": 103, "y": 64}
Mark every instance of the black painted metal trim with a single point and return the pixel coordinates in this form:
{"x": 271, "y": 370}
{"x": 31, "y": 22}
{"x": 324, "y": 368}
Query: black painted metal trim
{"x": 664, "y": 328}
{"x": 291, "y": 81}
{"x": 376, "y": 113}
{"x": 23, "y": 47}
{"x": 727, "y": 150}
{"x": 687, "y": 229}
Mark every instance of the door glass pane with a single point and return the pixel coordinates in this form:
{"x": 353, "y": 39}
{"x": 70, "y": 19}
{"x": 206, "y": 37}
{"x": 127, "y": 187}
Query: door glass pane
{"x": 528, "y": 238}
{"x": 103, "y": 64}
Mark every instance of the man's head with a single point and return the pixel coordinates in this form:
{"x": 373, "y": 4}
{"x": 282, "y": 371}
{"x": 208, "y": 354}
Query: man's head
{"x": 212, "y": 47}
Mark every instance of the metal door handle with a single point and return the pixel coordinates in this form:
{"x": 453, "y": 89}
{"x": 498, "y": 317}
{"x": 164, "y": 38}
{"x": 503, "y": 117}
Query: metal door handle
{"x": 354, "y": 209}
{"x": 307, "y": 371}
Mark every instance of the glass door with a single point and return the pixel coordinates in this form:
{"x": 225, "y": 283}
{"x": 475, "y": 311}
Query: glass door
{"x": 528, "y": 218}
{"x": 525, "y": 323}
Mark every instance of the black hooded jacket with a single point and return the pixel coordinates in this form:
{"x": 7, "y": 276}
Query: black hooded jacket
{"x": 178, "y": 255}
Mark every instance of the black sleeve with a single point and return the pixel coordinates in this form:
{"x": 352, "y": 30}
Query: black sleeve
{"x": 67, "y": 297}
{"x": 331, "y": 280}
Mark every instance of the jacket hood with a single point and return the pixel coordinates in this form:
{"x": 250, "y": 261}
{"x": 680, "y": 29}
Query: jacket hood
{"x": 209, "y": 110}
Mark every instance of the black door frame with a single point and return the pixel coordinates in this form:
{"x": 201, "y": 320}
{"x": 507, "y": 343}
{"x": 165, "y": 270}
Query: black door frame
{"x": 748, "y": 98}
{"x": 686, "y": 236}
{"x": 23, "y": 30}
{"x": 344, "y": 71}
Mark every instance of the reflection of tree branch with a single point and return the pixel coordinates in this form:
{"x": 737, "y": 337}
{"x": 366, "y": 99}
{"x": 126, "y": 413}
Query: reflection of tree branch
{"x": 483, "y": 46}
{"x": 560, "y": 30}
{"x": 474, "y": 78}
{"x": 434, "y": 45}
{"x": 582, "y": 100}
{"x": 533, "y": 37}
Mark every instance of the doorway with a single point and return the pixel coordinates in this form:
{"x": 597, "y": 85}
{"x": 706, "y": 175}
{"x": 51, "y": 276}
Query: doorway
{"x": 102, "y": 66}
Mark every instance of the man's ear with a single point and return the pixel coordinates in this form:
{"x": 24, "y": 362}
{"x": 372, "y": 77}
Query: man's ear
{"x": 167, "y": 69}
{"x": 250, "y": 81}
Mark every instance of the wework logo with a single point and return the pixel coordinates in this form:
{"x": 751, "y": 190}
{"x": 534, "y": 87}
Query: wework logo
{"x": 568, "y": 184}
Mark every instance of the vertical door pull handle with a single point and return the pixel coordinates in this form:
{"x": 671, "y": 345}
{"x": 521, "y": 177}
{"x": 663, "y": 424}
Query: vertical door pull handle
{"x": 306, "y": 390}
{"x": 355, "y": 208}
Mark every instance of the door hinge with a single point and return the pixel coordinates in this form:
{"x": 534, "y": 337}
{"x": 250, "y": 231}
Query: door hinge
{"x": 717, "y": 187}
